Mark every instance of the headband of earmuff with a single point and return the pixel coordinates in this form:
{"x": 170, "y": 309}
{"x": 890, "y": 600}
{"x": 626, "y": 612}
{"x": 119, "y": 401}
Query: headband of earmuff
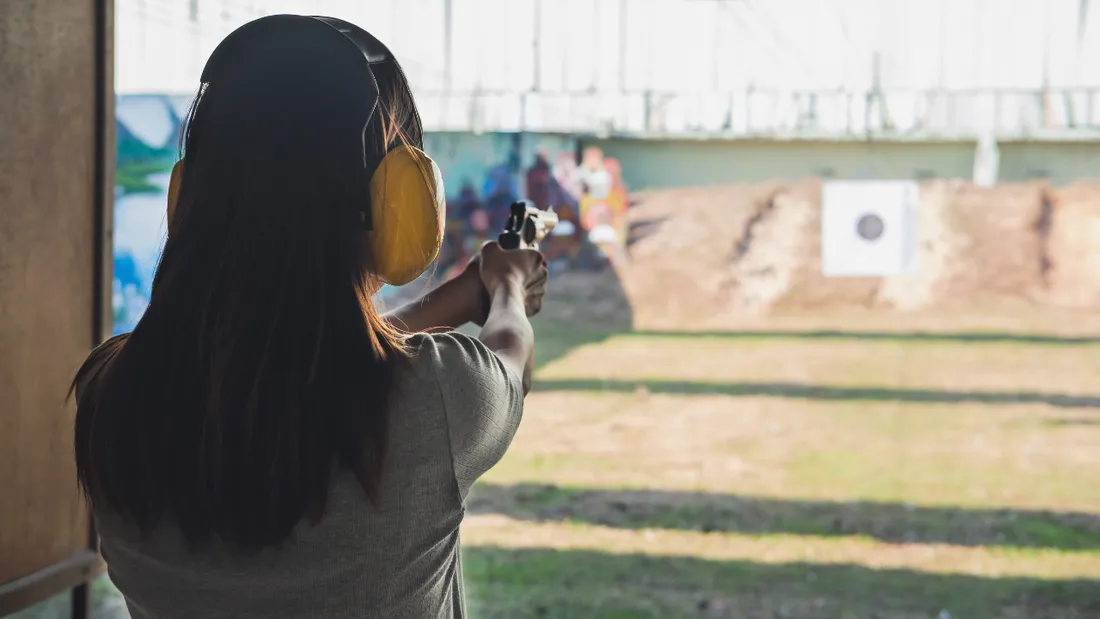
{"x": 406, "y": 211}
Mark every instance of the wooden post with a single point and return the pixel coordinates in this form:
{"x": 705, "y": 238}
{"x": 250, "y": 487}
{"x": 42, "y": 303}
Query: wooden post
{"x": 56, "y": 172}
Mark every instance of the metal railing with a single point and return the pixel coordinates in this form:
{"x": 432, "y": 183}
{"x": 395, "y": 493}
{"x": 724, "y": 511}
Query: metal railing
{"x": 760, "y": 113}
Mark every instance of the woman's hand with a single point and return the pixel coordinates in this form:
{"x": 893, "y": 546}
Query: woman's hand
{"x": 525, "y": 269}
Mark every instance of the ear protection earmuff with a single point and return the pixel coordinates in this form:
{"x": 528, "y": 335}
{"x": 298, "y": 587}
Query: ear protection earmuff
{"x": 407, "y": 204}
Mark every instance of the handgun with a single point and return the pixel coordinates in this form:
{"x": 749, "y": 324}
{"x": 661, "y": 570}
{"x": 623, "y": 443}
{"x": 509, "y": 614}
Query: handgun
{"x": 527, "y": 226}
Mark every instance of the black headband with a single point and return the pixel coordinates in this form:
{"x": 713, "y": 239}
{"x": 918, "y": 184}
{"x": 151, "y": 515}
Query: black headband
{"x": 321, "y": 30}
{"x": 318, "y": 27}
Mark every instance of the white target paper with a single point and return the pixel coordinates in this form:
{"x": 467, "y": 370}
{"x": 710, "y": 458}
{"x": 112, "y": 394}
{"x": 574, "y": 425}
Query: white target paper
{"x": 869, "y": 228}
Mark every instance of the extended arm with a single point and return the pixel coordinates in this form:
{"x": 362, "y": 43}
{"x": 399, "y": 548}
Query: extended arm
{"x": 508, "y": 333}
{"x": 452, "y": 304}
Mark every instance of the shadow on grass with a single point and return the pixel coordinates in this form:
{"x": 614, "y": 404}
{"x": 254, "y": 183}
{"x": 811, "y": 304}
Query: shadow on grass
{"x": 529, "y": 582}
{"x": 1071, "y": 422}
{"x": 706, "y": 512}
{"x": 555, "y": 338}
{"x": 817, "y": 392}
{"x": 974, "y": 337}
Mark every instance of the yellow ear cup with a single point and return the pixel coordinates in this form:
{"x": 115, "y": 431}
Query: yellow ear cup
{"x": 174, "y": 189}
{"x": 407, "y": 213}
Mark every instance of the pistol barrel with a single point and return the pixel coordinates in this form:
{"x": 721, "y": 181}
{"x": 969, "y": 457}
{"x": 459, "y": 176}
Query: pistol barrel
{"x": 527, "y": 225}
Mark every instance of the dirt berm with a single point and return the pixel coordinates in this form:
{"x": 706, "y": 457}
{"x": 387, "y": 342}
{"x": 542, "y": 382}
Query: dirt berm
{"x": 715, "y": 256}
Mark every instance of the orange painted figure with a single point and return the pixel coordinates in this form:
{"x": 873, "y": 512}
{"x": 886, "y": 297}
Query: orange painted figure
{"x": 598, "y": 205}
{"x": 596, "y": 182}
{"x": 619, "y": 199}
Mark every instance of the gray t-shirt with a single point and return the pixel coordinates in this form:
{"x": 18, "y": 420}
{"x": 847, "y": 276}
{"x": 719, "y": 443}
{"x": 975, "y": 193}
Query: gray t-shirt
{"x": 454, "y": 415}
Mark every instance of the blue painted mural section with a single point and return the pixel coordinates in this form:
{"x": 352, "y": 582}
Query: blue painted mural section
{"x": 148, "y": 144}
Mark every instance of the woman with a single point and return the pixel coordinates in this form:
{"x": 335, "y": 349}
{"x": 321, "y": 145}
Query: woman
{"x": 265, "y": 443}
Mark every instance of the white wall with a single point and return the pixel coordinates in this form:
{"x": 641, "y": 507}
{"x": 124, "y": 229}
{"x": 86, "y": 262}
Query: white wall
{"x": 682, "y": 46}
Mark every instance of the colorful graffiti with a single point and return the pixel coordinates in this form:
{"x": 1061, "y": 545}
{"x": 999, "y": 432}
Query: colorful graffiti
{"x": 590, "y": 200}
{"x": 484, "y": 174}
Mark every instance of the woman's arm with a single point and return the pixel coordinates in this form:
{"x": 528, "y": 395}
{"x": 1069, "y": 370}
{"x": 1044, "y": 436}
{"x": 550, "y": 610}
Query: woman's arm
{"x": 451, "y": 305}
{"x": 516, "y": 281}
{"x": 483, "y": 398}
{"x": 508, "y": 332}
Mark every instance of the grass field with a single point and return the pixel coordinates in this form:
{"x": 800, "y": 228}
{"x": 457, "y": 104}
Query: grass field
{"x": 768, "y": 475}
{"x": 795, "y": 475}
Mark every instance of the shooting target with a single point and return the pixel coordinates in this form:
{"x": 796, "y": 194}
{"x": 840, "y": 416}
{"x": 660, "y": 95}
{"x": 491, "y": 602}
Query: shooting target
{"x": 868, "y": 228}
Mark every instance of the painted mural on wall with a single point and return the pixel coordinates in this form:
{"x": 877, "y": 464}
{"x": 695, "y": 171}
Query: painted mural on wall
{"x": 483, "y": 173}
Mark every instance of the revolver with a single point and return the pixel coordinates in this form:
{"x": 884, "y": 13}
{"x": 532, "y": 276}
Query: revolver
{"x": 525, "y": 228}
{"x": 526, "y": 225}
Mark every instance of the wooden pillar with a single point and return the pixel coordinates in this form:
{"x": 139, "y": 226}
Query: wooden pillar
{"x": 56, "y": 195}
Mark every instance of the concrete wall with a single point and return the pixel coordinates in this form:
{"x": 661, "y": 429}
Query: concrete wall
{"x": 653, "y": 164}
{"x": 649, "y": 164}
{"x": 1063, "y": 162}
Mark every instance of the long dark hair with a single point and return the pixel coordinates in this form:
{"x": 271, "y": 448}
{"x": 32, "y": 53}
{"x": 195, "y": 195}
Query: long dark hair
{"x": 261, "y": 366}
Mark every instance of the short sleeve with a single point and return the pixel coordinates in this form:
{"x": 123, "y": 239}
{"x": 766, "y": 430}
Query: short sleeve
{"x": 483, "y": 402}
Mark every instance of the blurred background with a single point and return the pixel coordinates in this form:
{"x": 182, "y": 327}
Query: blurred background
{"x": 717, "y": 427}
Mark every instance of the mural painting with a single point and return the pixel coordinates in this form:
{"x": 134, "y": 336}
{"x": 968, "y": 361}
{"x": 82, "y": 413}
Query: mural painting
{"x": 483, "y": 173}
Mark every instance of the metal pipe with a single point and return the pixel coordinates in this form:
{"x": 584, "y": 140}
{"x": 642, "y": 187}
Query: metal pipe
{"x": 536, "y": 48}
{"x": 448, "y": 44}
{"x": 622, "y": 45}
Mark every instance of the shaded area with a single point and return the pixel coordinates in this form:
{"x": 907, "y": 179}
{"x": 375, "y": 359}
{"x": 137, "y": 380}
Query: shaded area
{"x": 643, "y": 228}
{"x": 529, "y": 582}
{"x": 107, "y": 603}
{"x": 817, "y": 392}
{"x": 973, "y": 337}
{"x": 744, "y": 242}
{"x": 1070, "y": 422}
{"x": 580, "y": 309}
{"x": 554, "y": 340}
{"x": 709, "y": 512}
